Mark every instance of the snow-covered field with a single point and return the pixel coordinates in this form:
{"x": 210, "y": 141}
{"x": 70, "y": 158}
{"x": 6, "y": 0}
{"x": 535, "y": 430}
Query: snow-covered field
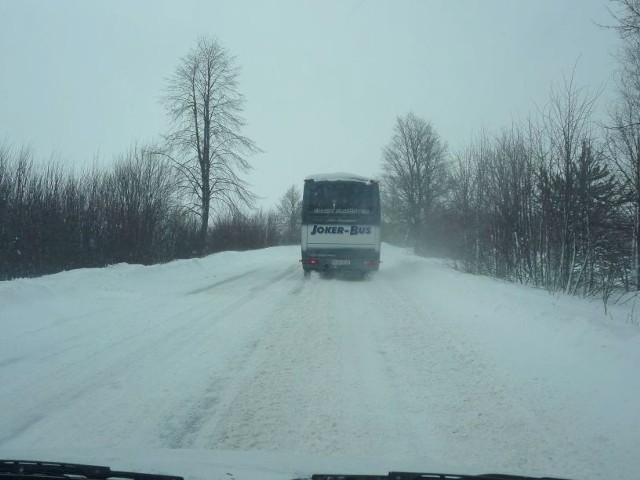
{"x": 234, "y": 365}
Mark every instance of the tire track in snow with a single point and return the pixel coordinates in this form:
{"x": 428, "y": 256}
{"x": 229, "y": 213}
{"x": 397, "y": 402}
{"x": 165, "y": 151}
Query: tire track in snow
{"x": 182, "y": 427}
{"x": 316, "y": 382}
{"x": 226, "y": 281}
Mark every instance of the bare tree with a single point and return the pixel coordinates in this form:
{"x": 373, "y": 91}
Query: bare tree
{"x": 205, "y": 143}
{"x": 463, "y": 214}
{"x": 289, "y": 210}
{"x": 627, "y": 17}
{"x": 415, "y": 171}
{"x": 569, "y": 132}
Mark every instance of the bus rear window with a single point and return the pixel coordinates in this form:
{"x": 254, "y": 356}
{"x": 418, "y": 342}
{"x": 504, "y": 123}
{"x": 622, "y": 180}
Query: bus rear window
{"x": 340, "y": 197}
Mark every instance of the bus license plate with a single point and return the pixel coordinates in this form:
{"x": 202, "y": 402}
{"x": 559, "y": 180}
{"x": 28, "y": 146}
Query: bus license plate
{"x": 340, "y": 262}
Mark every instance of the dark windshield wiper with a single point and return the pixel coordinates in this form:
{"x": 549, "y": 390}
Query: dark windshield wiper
{"x": 21, "y": 469}
{"x": 428, "y": 476}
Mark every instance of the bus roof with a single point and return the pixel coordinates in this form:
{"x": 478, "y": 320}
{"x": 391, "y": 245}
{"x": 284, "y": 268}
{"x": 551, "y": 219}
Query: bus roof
{"x": 338, "y": 177}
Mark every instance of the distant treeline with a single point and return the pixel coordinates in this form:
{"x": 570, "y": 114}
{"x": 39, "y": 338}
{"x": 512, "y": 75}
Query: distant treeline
{"x": 529, "y": 208}
{"x": 52, "y": 219}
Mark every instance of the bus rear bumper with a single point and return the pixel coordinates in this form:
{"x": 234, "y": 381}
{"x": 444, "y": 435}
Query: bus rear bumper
{"x": 353, "y": 260}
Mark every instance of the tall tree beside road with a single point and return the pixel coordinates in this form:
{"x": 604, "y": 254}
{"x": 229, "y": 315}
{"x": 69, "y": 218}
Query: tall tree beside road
{"x": 205, "y": 142}
{"x": 415, "y": 172}
{"x": 568, "y": 126}
{"x": 289, "y": 211}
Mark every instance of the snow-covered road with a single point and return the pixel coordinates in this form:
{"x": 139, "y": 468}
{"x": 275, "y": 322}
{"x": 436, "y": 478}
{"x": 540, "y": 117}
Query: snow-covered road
{"x": 419, "y": 365}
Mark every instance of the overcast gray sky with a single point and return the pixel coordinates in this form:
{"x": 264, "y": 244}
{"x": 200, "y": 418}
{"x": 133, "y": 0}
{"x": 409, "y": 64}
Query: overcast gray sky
{"x": 323, "y": 80}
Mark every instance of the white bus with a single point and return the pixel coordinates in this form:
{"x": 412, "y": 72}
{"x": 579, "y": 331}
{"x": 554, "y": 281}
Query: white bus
{"x": 340, "y": 223}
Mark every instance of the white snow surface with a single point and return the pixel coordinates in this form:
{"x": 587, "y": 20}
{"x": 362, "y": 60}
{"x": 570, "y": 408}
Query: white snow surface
{"x": 339, "y": 176}
{"x": 234, "y": 365}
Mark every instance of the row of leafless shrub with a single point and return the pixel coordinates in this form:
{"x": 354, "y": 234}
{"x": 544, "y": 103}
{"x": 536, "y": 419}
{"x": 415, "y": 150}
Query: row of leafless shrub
{"x": 53, "y": 218}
